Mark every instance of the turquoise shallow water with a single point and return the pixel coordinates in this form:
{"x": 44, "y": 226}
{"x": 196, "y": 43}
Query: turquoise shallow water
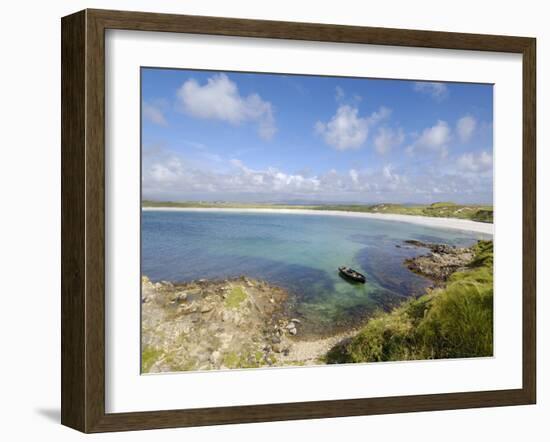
{"x": 298, "y": 252}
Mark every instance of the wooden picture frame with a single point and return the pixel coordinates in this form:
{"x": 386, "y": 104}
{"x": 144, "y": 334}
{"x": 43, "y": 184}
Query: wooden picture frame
{"x": 83, "y": 220}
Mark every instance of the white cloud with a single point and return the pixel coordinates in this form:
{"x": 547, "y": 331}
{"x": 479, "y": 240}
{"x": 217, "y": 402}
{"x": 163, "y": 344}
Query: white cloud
{"x": 270, "y": 180}
{"x": 380, "y": 115}
{"x": 393, "y": 180}
{"x": 167, "y": 175}
{"x": 471, "y": 162}
{"x": 465, "y": 127}
{"x": 220, "y": 99}
{"x": 154, "y": 114}
{"x": 167, "y": 171}
{"x": 346, "y": 129}
{"x": 387, "y": 139}
{"x": 438, "y": 91}
{"x": 435, "y": 139}
{"x": 354, "y": 175}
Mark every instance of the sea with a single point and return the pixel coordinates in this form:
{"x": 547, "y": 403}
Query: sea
{"x": 299, "y": 252}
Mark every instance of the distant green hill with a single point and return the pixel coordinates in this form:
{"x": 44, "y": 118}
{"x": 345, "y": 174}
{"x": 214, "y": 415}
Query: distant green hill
{"x": 473, "y": 212}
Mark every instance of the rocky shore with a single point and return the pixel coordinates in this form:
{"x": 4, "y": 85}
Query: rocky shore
{"x": 440, "y": 262}
{"x": 207, "y": 325}
{"x": 242, "y": 322}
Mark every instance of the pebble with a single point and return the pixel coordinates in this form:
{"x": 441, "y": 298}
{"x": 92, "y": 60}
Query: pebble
{"x": 215, "y": 357}
{"x": 181, "y": 296}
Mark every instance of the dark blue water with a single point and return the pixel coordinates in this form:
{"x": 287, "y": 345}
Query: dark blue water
{"x": 298, "y": 252}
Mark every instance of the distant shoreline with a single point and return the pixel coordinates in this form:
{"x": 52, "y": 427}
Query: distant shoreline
{"x": 436, "y": 222}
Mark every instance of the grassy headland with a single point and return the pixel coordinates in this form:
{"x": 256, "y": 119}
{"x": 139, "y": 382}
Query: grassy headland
{"x": 450, "y": 322}
{"x": 472, "y": 212}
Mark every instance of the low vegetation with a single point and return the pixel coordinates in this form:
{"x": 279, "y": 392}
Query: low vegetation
{"x": 148, "y": 357}
{"x": 235, "y": 297}
{"x": 451, "y": 322}
{"x": 440, "y": 209}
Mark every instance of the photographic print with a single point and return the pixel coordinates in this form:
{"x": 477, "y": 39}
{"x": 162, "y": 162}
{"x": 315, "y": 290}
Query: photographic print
{"x": 299, "y": 220}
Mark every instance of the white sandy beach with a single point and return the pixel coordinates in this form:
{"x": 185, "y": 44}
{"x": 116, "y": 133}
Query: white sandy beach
{"x": 442, "y": 223}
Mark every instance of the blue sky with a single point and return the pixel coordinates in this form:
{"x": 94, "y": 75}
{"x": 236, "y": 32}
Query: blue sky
{"x": 209, "y": 135}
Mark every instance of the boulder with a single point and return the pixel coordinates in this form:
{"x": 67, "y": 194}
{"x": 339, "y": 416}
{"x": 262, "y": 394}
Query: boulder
{"x": 181, "y": 297}
{"x": 215, "y": 358}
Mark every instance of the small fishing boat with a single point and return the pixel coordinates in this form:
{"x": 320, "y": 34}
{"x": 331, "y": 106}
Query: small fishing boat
{"x": 351, "y": 274}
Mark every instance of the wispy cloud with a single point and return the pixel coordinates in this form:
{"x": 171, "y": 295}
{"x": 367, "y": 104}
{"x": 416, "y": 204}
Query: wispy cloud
{"x": 220, "y": 99}
{"x": 387, "y": 139}
{"x": 153, "y": 112}
{"x": 170, "y": 175}
{"x": 475, "y": 162}
{"x": 340, "y": 94}
{"x": 465, "y": 128}
{"x": 438, "y": 91}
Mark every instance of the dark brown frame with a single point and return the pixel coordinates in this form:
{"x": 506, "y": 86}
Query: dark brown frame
{"x": 83, "y": 220}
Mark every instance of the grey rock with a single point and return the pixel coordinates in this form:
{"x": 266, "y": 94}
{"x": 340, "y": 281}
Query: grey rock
{"x": 215, "y": 357}
{"x": 203, "y": 357}
{"x": 180, "y": 297}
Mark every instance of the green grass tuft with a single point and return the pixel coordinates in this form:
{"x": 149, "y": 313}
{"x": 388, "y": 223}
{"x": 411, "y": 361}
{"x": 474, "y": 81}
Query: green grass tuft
{"x": 231, "y": 360}
{"x": 149, "y": 356}
{"x": 442, "y": 204}
{"x": 236, "y": 297}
